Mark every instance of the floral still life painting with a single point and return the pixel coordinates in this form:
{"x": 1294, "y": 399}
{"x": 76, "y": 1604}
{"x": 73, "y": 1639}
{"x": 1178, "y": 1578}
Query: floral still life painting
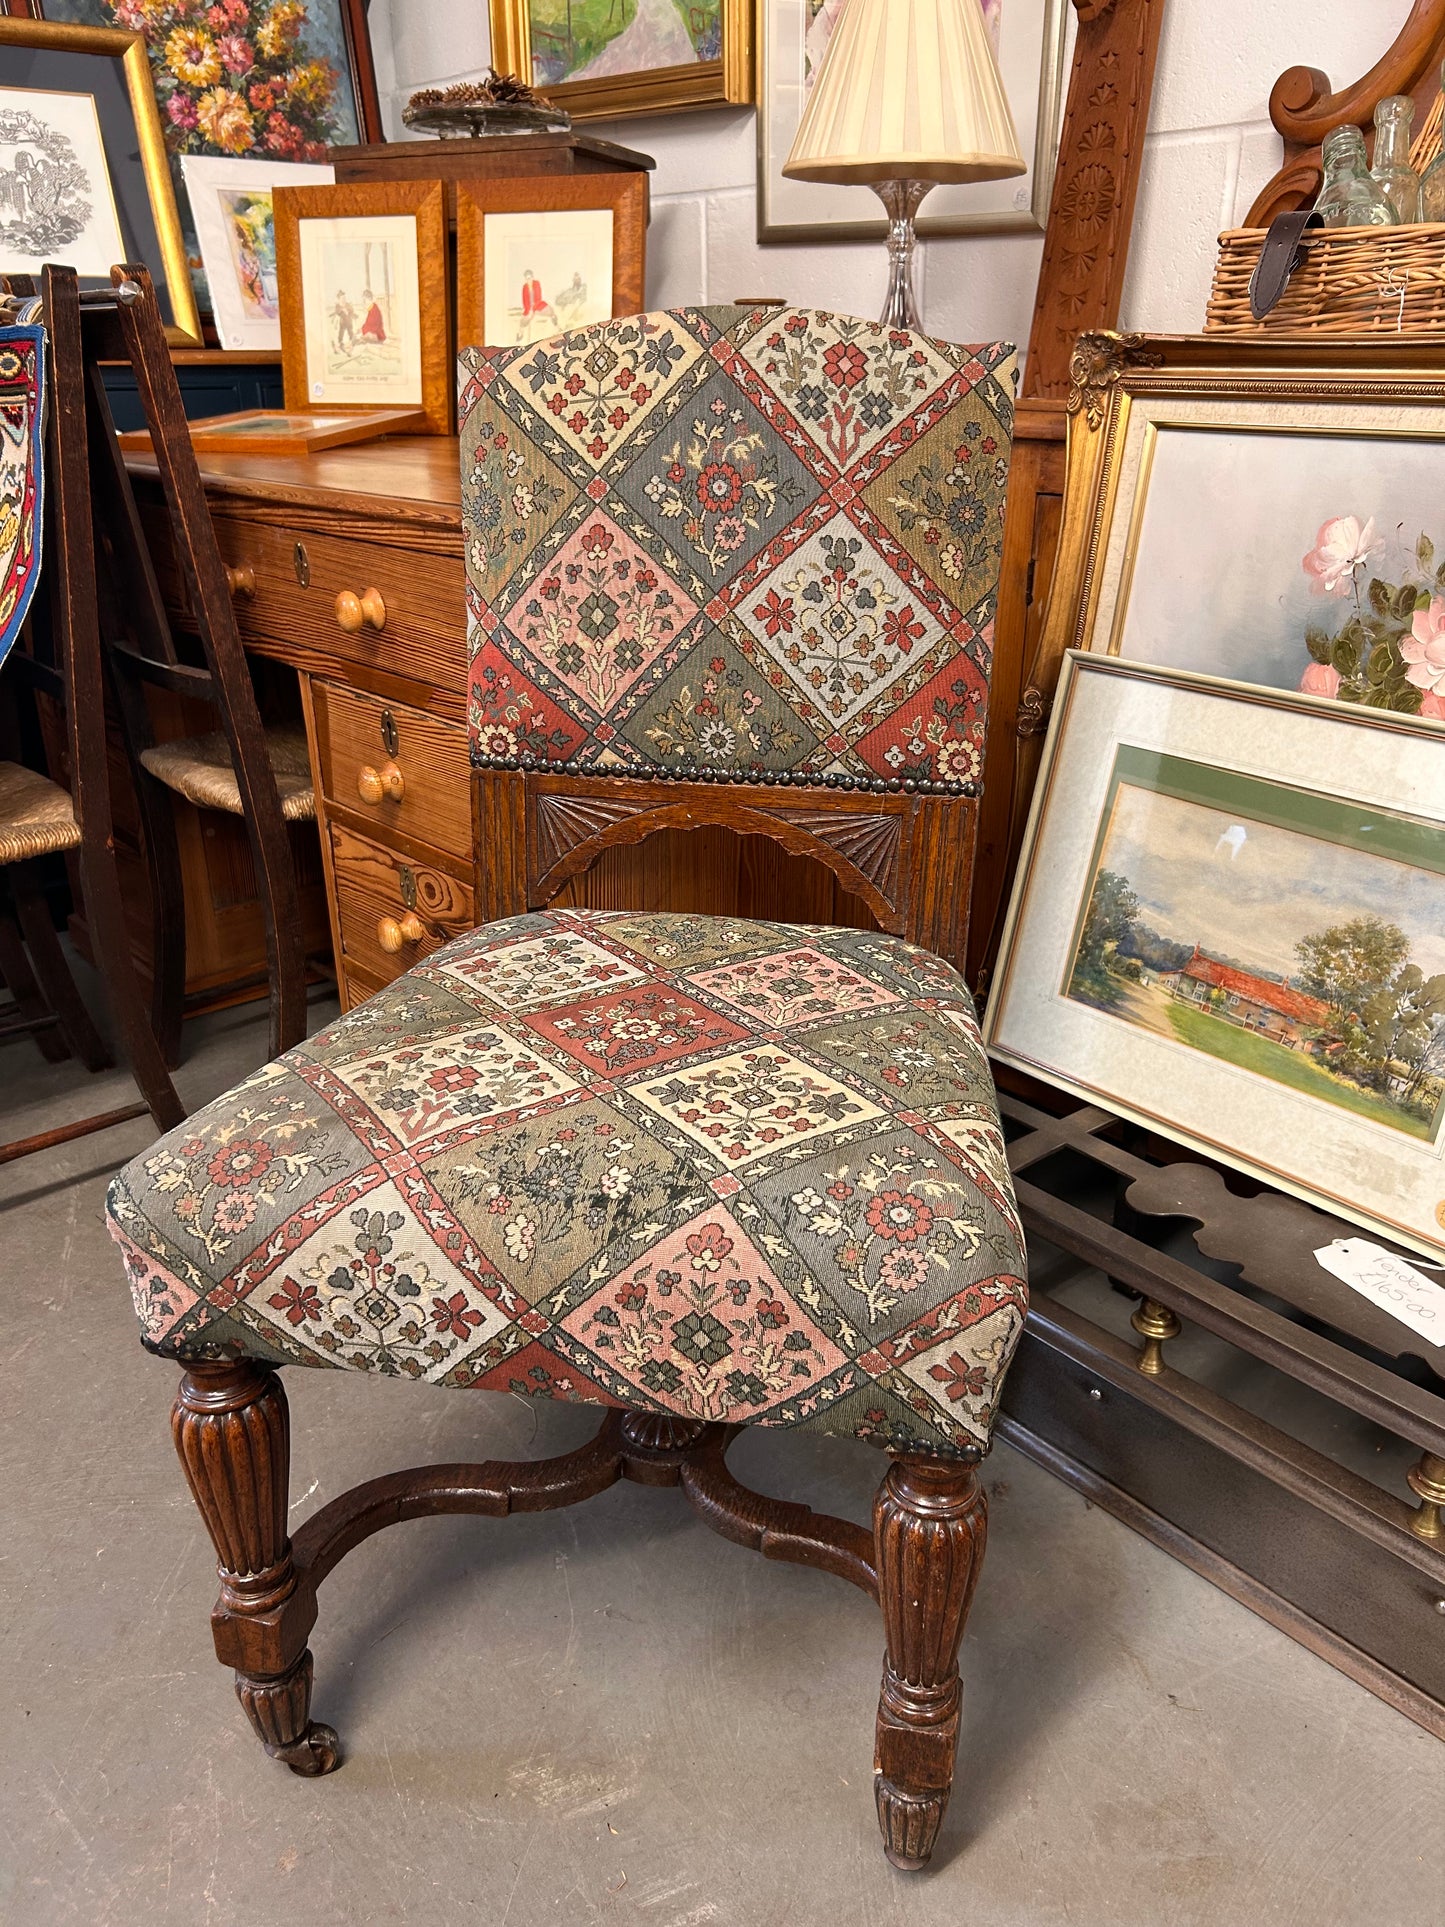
{"x": 1285, "y": 933}
{"x": 1314, "y": 561}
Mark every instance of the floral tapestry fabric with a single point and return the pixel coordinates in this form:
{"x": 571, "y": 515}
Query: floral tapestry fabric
{"x": 729, "y": 540}
{"x": 744, "y": 1171}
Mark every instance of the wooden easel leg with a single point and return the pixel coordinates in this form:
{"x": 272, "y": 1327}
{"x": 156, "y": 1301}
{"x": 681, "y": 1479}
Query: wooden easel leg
{"x": 232, "y": 1432}
{"x": 930, "y": 1523}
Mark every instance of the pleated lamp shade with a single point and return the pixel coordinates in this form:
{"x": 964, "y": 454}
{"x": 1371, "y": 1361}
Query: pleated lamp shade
{"x": 908, "y": 89}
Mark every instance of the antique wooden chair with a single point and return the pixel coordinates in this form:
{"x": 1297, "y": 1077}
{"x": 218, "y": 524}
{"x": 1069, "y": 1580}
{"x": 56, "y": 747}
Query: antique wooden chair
{"x": 62, "y": 664}
{"x": 240, "y": 766}
{"x": 723, "y": 567}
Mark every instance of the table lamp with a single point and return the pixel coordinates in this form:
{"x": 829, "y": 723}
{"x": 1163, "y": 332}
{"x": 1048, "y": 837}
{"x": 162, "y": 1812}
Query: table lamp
{"x": 908, "y": 94}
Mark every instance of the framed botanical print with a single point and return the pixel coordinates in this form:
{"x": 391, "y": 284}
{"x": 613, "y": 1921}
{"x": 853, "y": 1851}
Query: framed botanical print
{"x": 262, "y": 80}
{"x": 364, "y": 296}
{"x": 614, "y": 57}
{"x": 541, "y": 256}
{"x": 1277, "y": 521}
{"x": 231, "y": 209}
{"x": 83, "y": 174}
{"x": 1229, "y": 925}
{"x": 792, "y": 37}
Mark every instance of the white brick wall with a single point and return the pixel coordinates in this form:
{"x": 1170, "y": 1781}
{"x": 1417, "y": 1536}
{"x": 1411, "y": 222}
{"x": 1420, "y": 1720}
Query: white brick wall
{"x": 1210, "y": 149}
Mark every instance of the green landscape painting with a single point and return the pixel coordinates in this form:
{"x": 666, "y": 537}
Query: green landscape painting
{"x": 594, "y": 39}
{"x": 1294, "y": 935}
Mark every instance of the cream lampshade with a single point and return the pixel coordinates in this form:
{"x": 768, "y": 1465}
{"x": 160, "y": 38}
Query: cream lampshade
{"x": 908, "y": 94}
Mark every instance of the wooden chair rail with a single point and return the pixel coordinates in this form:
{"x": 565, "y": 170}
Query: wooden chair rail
{"x": 907, "y": 856}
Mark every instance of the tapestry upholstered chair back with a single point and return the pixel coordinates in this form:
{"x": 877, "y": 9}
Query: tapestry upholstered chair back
{"x": 719, "y": 544}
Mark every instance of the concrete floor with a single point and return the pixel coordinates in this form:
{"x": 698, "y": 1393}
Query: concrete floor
{"x": 609, "y": 1714}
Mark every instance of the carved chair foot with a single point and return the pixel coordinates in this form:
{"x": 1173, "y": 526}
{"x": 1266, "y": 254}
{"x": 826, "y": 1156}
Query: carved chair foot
{"x": 930, "y": 1521}
{"x": 909, "y": 1823}
{"x": 279, "y": 1709}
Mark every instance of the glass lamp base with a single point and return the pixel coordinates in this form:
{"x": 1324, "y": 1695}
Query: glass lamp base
{"x": 901, "y": 199}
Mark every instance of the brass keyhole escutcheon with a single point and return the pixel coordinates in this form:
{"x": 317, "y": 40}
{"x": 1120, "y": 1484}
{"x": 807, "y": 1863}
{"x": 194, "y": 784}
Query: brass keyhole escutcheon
{"x": 408, "y": 887}
{"x": 390, "y": 741}
{"x": 301, "y": 562}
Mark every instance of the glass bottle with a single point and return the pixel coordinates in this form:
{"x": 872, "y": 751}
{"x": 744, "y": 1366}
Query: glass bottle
{"x": 1432, "y": 181}
{"x": 1391, "y": 167}
{"x": 1350, "y": 197}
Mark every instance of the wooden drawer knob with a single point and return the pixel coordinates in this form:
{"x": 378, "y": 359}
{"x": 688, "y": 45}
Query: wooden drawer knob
{"x": 241, "y": 580}
{"x": 353, "y": 610}
{"x": 393, "y": 933}
{"x": 374, "y": 784}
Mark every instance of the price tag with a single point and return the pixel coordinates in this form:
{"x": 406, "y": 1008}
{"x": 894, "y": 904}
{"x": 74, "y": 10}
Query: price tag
{"x": 1387, "y": 1281}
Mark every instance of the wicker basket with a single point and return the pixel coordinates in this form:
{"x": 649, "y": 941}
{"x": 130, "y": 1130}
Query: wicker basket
{"x": 1352, "y": 281}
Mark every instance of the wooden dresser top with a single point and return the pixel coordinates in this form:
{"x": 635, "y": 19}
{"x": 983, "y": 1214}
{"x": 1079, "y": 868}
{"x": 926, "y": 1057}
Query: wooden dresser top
{"x": 411, "y": 479}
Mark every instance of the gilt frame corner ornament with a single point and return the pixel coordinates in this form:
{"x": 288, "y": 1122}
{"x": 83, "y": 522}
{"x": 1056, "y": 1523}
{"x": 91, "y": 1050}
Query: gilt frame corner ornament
{"x": 723, "y": 81}
{"x": 1100, "y": 357}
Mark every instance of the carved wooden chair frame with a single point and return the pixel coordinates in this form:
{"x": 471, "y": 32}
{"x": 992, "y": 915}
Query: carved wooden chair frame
{"x": 907, "y": 854}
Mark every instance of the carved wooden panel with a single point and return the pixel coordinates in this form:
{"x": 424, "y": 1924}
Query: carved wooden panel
{"x": 1101, "y": 146}
{"x": 560, "y": 823}
{"x": 870, "y": 843}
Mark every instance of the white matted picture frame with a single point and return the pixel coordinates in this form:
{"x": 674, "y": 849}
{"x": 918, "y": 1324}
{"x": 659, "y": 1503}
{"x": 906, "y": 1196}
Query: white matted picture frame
{"x": 231, "y": 206}
{"x": 792, "y": 36}
{"x": 365, "y": 298}
{"x": 1229, "y": 926}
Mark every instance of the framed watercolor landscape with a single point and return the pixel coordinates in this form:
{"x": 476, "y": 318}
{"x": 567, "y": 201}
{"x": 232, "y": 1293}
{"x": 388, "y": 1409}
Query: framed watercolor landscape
{"x": 613, "y": 57}
{"x": 1274, "y": 524}
{"x": 1242, "y": 947}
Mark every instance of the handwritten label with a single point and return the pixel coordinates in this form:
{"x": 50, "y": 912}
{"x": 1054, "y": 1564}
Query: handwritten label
{"x": 1387, "y": 1281}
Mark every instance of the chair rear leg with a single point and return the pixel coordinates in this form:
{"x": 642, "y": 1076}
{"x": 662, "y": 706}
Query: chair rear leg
{"x": 53, "y": 972}
{"x": 930, "y": 1523}
{"x": 232, "y": 1431}
{"x": 16, "y": 972}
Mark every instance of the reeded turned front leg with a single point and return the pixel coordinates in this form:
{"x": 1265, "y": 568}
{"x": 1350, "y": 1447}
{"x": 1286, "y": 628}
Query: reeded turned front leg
{"x": 233, "y": 1433}
{"x": 930, "y": 1522}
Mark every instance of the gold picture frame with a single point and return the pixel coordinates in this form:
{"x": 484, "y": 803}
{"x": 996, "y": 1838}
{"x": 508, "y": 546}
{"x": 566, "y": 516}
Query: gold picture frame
{"x": 1201, "y": 479}
{"x": 725, "y": 81}
{"x": 128, "y": 50}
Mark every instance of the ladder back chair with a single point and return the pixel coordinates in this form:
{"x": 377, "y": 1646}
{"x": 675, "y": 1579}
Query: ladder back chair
{"x": 708, "y": 1171}
{"x": 62, "y": 663}
{"x": 240, "y": 767}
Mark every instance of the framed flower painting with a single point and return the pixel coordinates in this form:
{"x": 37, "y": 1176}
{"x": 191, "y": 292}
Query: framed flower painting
{"x": 1279, "y": 523}
{"x": 1229, "y": 926}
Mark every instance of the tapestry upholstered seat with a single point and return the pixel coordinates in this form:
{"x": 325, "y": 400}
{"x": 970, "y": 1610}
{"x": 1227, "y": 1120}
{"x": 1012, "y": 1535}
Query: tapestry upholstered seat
{"x": 739, "y": 1171}
{"x": 709, "y": 1171}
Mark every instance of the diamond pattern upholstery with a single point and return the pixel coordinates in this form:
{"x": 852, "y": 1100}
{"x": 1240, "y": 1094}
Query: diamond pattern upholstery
{"x": 711, "y": 539}
{"x": 743, "y": 1171}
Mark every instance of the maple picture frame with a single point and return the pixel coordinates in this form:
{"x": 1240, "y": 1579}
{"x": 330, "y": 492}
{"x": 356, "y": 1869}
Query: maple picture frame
{"x": 549, "y": 208}
{"x": 347, "y": 344}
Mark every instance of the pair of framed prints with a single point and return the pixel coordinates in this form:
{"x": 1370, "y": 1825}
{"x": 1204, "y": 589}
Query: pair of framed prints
{"x": 1228, "y": 923}
{"x": 360, "y": 288}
